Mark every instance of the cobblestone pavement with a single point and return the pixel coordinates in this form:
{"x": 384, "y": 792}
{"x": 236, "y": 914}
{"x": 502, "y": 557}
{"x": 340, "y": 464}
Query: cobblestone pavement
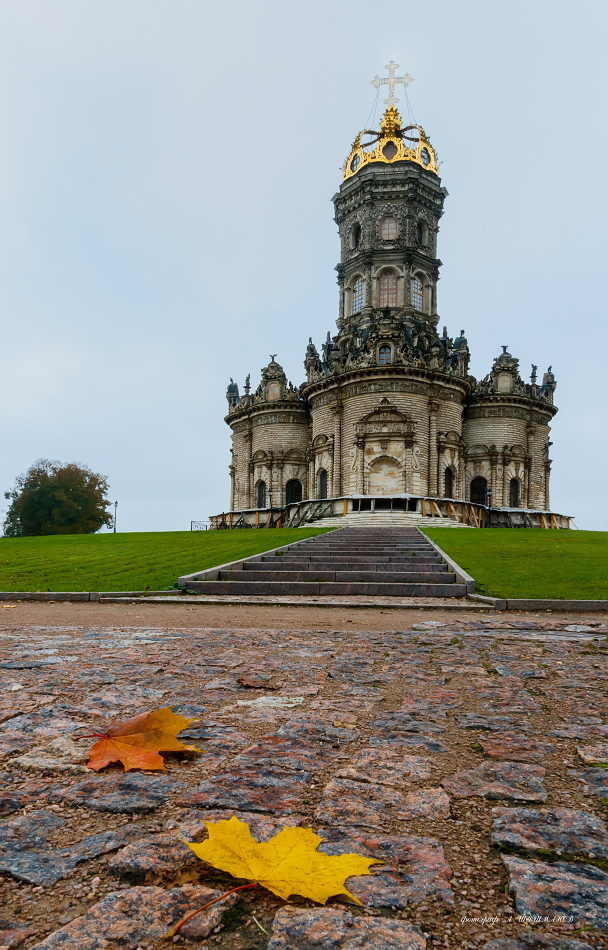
{"x": 468, "y": 754}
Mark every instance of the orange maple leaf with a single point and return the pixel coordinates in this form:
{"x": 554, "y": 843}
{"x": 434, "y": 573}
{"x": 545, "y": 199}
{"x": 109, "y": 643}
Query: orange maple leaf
{"x": 137, "y": 742}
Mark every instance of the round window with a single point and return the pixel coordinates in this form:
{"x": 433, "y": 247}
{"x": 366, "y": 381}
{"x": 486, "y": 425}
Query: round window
{"x": 425, "y": 157}
{"x": 355, "y": 163}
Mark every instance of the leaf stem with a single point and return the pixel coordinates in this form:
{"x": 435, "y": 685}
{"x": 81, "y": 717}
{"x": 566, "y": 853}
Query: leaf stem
{"x": 171, "y": 933}
{"x": 94, "y": 735}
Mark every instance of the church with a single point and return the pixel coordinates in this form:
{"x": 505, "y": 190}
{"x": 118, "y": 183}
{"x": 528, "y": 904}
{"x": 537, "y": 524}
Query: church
{"x": 389, "y": 409}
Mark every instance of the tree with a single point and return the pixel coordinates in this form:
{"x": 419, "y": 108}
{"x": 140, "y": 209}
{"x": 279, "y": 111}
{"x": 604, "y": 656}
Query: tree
{"x": 52, "y": 498}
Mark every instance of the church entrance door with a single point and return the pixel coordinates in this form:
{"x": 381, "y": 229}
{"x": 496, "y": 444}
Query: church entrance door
{"x": 479, "y": 491}
{"x": 293, "y": 491}
{"x": 385, "y": 477}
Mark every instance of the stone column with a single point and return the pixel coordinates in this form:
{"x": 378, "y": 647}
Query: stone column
{"x": 409, "y": 446}
{"x": 337, "y": 473}
{"x": 547, "y": 477}
{"x": 461, "y": 473}
{"x": 529, "y": 466}
{"x": 432, "y": 461}
{"x": 360, "y": 463}
{"x": 311, "y": 473}
{"x": 494, "y": 474}
{"x": 247, "y": 438}
{"x": 505, "y": 484}
{"x": 279, "y": 487}
{"x": 232, "y": 473}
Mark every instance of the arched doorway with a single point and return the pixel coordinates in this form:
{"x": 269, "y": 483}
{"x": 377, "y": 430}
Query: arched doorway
{"x": 385, "y": 477}
{"x": 293, "y": 491}
{"x": 479, "y": 489}
{"x": 449, "y": 483}
{"x": 322, "y": 480}
{"x": 261, "y": 495}
{"x": 514, "y": 493}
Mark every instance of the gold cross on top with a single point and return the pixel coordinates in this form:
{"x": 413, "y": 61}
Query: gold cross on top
{"x": 391, "y": 81}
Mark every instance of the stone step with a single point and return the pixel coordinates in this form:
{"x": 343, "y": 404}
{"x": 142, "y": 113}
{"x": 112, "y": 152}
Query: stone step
{"x": 352, "y": 559}
{"x": 326, "y": 564}
{"x": 347, "y": 577}
{"x": 329, "y": 589}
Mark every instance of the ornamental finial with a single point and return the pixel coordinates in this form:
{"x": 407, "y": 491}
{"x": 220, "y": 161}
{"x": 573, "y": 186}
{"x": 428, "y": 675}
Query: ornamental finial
{"x": 391, "y": 81}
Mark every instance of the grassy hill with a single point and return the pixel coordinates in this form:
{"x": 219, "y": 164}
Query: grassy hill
{"x": 531, "y": 563}
{"x": 132, "y": 561}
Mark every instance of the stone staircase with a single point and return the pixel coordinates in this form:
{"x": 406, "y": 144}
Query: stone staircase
{"x": 373, "y": 562}
{"x": 384, "y": 519}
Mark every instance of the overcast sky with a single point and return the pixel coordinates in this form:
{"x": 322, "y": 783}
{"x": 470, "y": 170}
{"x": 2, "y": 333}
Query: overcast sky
{"x": 166, "y": 175}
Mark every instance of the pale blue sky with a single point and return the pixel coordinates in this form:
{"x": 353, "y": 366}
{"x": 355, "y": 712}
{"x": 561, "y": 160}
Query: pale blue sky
{"x": 166, "y": 174}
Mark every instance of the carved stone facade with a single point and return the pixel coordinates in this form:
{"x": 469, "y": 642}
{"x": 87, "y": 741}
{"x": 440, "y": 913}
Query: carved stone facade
{"x": 389, "y": 406}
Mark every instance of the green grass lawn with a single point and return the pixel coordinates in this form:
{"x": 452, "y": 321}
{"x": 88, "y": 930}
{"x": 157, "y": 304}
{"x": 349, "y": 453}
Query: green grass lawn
{"x": 530, "y": 563}
{"x": 116, "y": 562}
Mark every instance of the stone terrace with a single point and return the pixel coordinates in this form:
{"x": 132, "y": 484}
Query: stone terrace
{"x": 465, "y": 754}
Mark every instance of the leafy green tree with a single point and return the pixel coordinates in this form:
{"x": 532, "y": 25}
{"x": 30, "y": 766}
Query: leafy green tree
{"x": 52, "y": 498}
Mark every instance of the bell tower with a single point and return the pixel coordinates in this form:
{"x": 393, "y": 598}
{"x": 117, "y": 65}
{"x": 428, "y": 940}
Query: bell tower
{"x": 387, "y": 211}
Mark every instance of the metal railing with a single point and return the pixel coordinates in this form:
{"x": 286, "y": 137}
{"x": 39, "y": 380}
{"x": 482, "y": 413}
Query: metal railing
{"x": 311, "y": 511}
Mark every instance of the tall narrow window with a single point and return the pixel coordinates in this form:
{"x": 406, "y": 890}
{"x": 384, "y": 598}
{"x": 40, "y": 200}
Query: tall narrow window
{"x": 417, "y": 294}
{"x": 261, "y": 495}
{"x": 358, "y": 295}
{"x": 387, "y": 296}
{"x": 449, "y": 483}
{"x": 322, "y": 483}
{"x": 357, "y": 235}
{"x": 384, "y": 355}
{"x": 514, "y": 493}
{"x": 388, "y": 228}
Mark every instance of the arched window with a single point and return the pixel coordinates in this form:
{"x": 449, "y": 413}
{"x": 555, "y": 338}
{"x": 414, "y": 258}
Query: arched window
{"x": 293, "y": 491}
{"x": 387, "y": 296}
{"x": 418, "y": 294}
{"x": 514, "y": 493}
{"x": 322, "y": 479}
{"x": 449, "y": 483}
{"x": 261, "y": 491}
{"x": 388, "y": 228}
{"x": 422, "y": 232}
{"x": 479, "y": 491}
{"x": 357, "y": 235}
{"x": 384, "y": 355}
{"x": 358, "y": 295}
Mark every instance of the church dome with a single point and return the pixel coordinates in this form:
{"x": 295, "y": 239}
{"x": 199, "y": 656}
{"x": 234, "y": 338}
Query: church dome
{"x": 391, "y": 144}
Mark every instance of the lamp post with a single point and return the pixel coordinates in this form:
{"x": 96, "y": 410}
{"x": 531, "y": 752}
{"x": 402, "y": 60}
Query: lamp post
{"x": 270, "y": 501}
{"x": 489, "y": 504}
{"x": 115, "y": 507}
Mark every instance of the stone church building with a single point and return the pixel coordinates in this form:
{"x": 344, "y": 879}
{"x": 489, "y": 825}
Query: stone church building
{"x": 389, "y": 407}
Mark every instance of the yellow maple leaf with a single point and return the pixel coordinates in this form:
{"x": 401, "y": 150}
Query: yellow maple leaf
{"x": 287, "y": 864}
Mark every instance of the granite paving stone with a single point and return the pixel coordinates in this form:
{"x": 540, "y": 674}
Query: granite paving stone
{"x": 136, "y": 915}
{"x": 537, "y": 941}
{"x": 386, "y": 766}
{"x": 562, "y": 830}
{"x": 14, "y": 934}
{"x": 515, "y": 748}
{"x": 124, "y": 794}
{"x": 591, "y": 754}
{"x": 251, "y": 789}
{"x": 415, "y": 869}
{"x": 377, "y": 739}
{"x": 596, "y": 780}
{"x": 324, "y": 928}
{"x": 492, "y": 723}
{"x": 576, "y": 891}
{"x": 496, "y": 780}
{"x": 26, "y": 854}
{"x": 429, "y": 803}
{"x": 359, "y": 803}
